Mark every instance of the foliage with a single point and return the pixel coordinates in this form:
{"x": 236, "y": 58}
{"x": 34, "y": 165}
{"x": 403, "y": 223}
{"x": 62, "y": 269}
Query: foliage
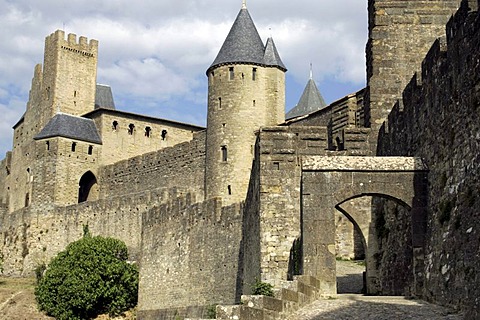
{"x": 262, "y": 288}
{"x": 212, "y": 312}
{"x": 90, "y": 277}
{"x": 39, "y": 271}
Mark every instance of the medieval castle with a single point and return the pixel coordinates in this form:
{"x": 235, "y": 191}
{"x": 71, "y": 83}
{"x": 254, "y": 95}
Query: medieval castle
{"x": 391, "y": 172}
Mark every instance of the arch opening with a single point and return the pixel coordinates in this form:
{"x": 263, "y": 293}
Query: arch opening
{"x": 373, "y": 221}
{"x": 87, "y": 187}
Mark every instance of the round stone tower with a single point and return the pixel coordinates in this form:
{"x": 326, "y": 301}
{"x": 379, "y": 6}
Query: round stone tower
{"x": 246, "y": 91}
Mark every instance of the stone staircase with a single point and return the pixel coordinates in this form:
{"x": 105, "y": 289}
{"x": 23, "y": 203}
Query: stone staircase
{"x": 292, "y": 296}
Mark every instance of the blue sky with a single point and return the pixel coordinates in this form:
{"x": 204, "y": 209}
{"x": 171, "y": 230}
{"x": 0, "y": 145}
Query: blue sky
{"x": 154, "y": 54}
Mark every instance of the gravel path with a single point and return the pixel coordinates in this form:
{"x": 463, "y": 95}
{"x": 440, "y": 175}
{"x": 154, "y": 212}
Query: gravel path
{"x": 358, "y": 307}
{"x": 350, "y": 306}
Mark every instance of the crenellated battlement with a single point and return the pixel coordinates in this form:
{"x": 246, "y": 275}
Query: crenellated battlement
{"x": 82, "y": 46}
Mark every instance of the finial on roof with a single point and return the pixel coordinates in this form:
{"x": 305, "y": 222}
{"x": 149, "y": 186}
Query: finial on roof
{"x": 244, "y": 4}
{"x": 311, "y": 71}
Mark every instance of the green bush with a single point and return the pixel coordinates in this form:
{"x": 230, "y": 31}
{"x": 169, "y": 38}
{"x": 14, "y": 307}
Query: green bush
{"x": 89, "y": 278}
{"x": 262, "y": 288}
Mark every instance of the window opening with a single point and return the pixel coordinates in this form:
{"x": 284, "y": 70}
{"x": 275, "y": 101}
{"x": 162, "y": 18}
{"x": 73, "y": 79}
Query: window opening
{"x": 219, "y": 103}
{"x": 74, "y": 146}
{"x": 231, "y": 73}
{"x": 90, "y": 150}
{"x": 229, "y": 190}
{"x": 254, "y": 74}
{"x": 164, "y": 134}
{"x": 75, "y": 93}
{"x": 148, "y": 131}
{"x": 276, "y": 165}
{"x": 254, "y": 103}
{"x": 115, "y": 125}
{"x": 131, "y": 127}
{"x": 27, "y": 199}
{"x": 48, "y": 145}
{"x": 224, "y": 153}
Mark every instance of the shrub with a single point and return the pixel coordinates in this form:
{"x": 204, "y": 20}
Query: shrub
{"x": 89, "y": 278}
{"x": 262, "y": 288}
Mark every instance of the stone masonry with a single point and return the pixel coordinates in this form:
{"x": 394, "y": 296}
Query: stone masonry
{"x": 383, "y": 174}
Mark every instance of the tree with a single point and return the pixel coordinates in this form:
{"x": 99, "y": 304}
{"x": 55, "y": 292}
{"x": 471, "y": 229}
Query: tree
{"x": 90, "y": 277}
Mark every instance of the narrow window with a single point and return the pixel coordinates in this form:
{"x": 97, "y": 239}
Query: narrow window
{"x": 254, "y": 103}
{"x": 74, "y": 146}
{"x": 75, "y": 94}
{"x": 231, "y": 73}
{"x": 254, "y": 74}
{"x": 131, "y": 127}
{"x": 229, "y": 190}
{"x": 276, "y": 166}
{"x": 224, "y": 153}
{"x": 48, "y": 145}
{"x": 115, "y": 125}
{"x": 90, "y": 150}
{"x": 27, "y": 200}
{"x": 219, "y": 103}
{"x": 212, "y": 76}
{"x": 148, "y": 131}
{"x": 164, "y": 134}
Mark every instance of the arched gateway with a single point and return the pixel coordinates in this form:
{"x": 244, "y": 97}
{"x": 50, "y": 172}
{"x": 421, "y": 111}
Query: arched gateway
{"x": 328, "y": 182}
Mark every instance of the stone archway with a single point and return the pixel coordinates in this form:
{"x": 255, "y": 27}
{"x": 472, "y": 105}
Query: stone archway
{"x": 87, "y": 187}
{"x": 328, "y": 182}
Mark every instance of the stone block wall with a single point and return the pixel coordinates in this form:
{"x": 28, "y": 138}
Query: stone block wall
{"x": 180, "y": 165}
{"x": 278, "y": 224}
{"x": 32, "y": 236}
{"x": 400, "y": 34}
{"x": 125, "y": 135}
{"x": 190, "y": 254}
{"x": 438, "y": 120}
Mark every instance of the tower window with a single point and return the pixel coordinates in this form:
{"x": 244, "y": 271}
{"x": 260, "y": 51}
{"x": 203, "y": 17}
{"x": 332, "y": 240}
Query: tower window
{"x": 229, "y": 187}
{"x": 164, "y": 134}
{"x": 115, "y": 125}
{"x": 224, "y": 153}
{"x": 148, "y": 131}
{"x": 254, "y": 74}
{"x": 75, "y": 94}
{"x": 74, "y": 146}
{"x": 90, "y": 150}
{"x": 254, "y": 103}
{"x": 48, "y": 145}
{"x": 231, "y": 73}
{"x": 131, "y": 127}
{"x": 219, "y": 103}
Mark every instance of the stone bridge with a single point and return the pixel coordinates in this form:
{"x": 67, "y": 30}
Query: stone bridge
{"x": 328, "y": 182}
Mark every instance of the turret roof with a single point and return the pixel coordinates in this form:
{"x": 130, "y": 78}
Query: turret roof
{"x": 272, "y": 58}
{"x": 310, "y": 101}
{"x": 244, "y": 45}
{"x": 69, "y": 126}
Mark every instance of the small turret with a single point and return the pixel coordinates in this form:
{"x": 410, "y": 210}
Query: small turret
{"x": 246, "y": 92}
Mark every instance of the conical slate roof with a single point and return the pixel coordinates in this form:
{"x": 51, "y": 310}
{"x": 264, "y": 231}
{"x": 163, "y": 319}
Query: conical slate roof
{"x": 73, "y": 127}
{"x": 310, "y": 101}
{"x": 271, "y": 57}
{"x": 244, "y": 45}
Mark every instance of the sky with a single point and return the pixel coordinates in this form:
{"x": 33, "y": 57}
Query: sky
{"x": 154, "y": 53}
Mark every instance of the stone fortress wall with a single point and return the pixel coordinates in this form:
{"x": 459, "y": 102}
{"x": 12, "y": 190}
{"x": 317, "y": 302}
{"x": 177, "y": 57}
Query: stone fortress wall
{"x": 438, "y": 119}
{"x": 185, "y": 163}
{"x": 175, "y": 233}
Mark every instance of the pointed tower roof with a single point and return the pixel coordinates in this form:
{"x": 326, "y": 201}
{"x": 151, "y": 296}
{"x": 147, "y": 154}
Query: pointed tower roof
{"x": 310, "y": 101}
{"x": 271, "y": 57}
{"x": 243, "y": 45}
